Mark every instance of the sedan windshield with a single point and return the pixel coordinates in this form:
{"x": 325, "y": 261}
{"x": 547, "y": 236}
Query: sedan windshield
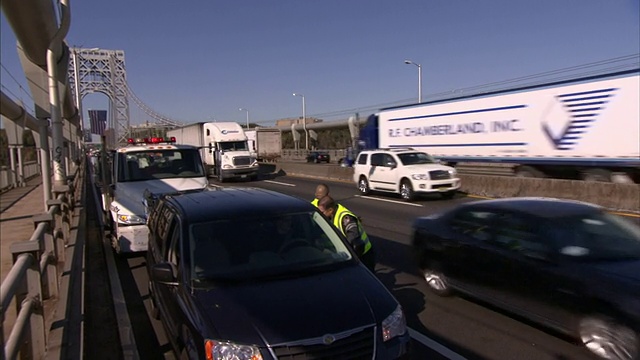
{"x": 250, "y": 248}
{"x": 600, "y": 236}
{"x": 416, "y": 158}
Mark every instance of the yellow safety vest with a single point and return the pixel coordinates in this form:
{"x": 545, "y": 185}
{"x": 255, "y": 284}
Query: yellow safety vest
{"x": 337, "y": 221}
{"x": 315, "y": 202}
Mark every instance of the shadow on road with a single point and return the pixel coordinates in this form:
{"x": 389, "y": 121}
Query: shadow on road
{"x": 394, "y": 261}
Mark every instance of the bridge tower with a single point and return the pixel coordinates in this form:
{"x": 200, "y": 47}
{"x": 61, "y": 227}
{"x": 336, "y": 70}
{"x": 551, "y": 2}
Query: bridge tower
{"x": 103, "y": 71}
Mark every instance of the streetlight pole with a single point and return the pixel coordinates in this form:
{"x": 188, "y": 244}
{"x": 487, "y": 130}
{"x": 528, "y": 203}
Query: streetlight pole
{"x": 419, "y": 79}
{"x": 241, "y": 109}
{"x": 304, "y": 122}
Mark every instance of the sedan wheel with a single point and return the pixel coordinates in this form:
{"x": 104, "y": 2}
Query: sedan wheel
{"x": 406, "y": 191}
{"x": 437, "y": 282}
{"x": 363, "y": 186}
{"x": 609, "y": 339}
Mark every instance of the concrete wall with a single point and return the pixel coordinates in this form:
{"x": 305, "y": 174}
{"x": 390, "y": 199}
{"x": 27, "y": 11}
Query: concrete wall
{"x": 621, "y": 197}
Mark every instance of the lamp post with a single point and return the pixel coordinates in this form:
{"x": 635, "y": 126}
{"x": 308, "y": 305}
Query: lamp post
{"x": 304, "y": 122}
{"x": 241, "y": 109}
{"x": 419, "y": 78}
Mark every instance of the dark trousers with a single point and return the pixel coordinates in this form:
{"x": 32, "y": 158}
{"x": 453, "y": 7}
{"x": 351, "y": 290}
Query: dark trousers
{"x": 369, "y": 259}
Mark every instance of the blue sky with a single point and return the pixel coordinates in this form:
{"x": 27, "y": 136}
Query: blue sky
{"x": 203, "y": 59}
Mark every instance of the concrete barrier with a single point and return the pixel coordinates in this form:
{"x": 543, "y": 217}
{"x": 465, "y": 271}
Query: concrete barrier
{"x": 621, "y": 197}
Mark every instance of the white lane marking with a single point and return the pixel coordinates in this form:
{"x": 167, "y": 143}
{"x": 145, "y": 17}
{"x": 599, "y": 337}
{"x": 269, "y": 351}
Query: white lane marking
{"x": 434, "y": 345}
{"x": 388, "y": 200}
{"x": 278, "y": 183}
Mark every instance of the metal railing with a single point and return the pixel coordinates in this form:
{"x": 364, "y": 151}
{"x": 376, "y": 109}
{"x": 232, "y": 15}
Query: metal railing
{"x": 35, "y": 275}
{"x": 9, "y": 180}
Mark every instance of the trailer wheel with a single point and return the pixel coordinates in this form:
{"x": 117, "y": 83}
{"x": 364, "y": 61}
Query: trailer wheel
{"x": 528, "y": 172}
{"x": 596, "y": 175}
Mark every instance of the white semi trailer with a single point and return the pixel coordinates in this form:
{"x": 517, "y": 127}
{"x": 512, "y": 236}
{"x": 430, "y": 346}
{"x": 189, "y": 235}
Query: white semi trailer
{"x": 265, "y": 144}
{"x": 586, "y": 128}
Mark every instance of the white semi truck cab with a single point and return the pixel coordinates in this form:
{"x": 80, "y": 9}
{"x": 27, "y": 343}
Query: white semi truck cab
{"x": 150, "y": 166}
{"x": 227, "y": 152}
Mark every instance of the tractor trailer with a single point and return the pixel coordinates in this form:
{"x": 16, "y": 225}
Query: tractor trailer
{"x": 224, "y": 149}
{"x": 587, "y": 128}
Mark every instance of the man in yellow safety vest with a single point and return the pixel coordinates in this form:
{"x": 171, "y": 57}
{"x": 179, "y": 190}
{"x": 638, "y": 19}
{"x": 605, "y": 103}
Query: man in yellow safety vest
{"x": 351, "y": 227}
{"x": 322, "y": 190}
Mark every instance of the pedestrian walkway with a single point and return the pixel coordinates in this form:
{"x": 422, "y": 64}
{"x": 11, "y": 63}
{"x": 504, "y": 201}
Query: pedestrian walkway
{"x": 12, "y": 196}
{"x": 17, "y": 207}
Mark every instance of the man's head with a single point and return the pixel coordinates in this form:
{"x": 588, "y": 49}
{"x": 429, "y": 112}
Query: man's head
{"x": 322, "y": 190}
{"x": 284, "y": 224}
{"x": 327, "y": 206}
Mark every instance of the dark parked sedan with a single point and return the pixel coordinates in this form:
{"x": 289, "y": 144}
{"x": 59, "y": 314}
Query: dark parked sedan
{"x": 318, "y": 157}
{"x": 254, "y": 274}
{"x": 567, "y": 265}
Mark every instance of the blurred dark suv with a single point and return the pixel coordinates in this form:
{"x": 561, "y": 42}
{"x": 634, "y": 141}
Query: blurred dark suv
{"x": 318, "y": 157}
{"x": 249, "y": 273}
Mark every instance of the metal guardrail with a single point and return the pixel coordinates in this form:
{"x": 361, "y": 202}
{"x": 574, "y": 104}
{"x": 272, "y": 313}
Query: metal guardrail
{"x": 35, "y": 275}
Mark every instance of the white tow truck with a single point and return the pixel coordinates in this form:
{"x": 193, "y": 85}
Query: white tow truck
{"x": 144, "y": 169}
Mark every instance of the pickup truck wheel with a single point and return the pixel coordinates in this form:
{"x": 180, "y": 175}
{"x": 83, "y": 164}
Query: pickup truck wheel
{"x": 608, "y": 338}
{"x": 406, "y": 190}
{"x": 363, "y": 186}
{"x": 436, "y": 280}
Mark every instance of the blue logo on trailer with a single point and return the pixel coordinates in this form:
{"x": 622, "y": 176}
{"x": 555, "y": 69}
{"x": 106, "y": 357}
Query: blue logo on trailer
{"x": 583, "y": 108}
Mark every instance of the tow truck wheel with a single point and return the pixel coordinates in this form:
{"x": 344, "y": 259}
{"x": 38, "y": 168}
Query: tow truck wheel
{"x": 115, "y": 244}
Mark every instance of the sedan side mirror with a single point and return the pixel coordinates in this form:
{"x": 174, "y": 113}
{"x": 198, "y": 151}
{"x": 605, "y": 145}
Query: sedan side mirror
{"x": 164, "y": 273}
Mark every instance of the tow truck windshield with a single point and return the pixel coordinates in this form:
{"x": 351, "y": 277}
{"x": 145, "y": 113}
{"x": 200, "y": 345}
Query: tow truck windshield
{"x": 159, "y": 164}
